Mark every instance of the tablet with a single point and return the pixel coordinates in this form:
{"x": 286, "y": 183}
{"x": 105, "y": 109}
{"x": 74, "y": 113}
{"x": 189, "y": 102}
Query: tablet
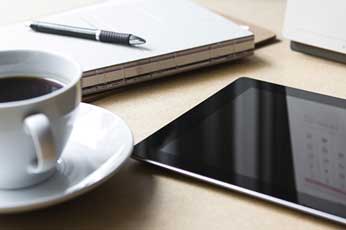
{"x": 276, "y": 143}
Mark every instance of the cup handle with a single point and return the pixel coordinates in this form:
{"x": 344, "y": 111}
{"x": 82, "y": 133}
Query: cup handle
{"x": 38, "y": 127}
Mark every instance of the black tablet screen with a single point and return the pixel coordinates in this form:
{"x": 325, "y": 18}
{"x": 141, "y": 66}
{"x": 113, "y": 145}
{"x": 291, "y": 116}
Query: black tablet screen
{"x": 275, "y": 140}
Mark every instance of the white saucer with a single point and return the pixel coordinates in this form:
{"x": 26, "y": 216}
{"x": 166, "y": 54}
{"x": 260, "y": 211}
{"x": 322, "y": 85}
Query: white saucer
{"x": 100, "y": 142}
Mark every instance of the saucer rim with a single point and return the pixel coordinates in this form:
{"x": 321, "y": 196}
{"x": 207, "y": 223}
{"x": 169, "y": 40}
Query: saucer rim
{"x": 64, "y": 197}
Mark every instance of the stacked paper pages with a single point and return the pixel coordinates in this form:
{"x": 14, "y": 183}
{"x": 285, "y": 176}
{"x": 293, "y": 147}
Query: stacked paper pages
{"x": 180, "y": 35}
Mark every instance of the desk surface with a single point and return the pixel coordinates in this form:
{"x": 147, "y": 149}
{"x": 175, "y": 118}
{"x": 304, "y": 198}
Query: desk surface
{"x": 144, "y": 197}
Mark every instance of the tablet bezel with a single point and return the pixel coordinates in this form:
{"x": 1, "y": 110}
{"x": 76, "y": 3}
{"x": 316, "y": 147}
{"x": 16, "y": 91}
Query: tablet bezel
{"x": 209, "y": 106}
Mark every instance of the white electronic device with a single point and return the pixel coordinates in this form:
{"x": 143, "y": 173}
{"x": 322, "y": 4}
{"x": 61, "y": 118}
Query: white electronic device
{"x": 317, "y": 27}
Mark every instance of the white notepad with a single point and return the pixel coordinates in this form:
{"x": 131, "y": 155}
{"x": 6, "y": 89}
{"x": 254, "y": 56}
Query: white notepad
{"x": 180, "y": 36}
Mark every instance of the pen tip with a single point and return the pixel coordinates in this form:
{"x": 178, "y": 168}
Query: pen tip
{"x": 135, "y": 40}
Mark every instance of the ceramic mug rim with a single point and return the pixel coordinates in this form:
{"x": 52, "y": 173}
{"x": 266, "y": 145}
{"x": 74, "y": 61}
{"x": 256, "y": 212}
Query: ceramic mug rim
{"x": 66, "y": 87}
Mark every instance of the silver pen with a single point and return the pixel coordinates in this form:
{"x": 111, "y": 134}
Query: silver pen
{"x": 86, "y": 33}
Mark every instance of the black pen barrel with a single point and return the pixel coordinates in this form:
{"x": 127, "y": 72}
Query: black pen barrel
{"x": 86, "y": 33}
{"x": 64, "y": 30}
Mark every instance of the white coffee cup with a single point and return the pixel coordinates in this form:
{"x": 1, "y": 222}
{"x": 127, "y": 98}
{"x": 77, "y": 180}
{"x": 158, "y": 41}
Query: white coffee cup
{"x": 34, "y": 131}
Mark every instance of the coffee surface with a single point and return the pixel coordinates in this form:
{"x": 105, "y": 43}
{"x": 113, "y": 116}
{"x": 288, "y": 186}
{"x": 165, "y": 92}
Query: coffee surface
{"x": 22, "y": 87}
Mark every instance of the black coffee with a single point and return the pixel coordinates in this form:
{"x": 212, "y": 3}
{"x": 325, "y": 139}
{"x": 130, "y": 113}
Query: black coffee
{"x": 21, "y": 88}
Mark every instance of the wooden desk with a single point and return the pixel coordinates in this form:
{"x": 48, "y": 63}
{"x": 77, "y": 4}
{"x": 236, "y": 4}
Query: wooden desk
{"x": 144, "y": 197}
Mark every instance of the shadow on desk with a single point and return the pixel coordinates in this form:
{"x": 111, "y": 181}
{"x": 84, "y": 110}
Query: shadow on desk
{"x": 125, "y": 197}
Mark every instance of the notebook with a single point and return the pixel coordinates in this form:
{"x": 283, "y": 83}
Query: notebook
{"x": 180, "y": 34}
